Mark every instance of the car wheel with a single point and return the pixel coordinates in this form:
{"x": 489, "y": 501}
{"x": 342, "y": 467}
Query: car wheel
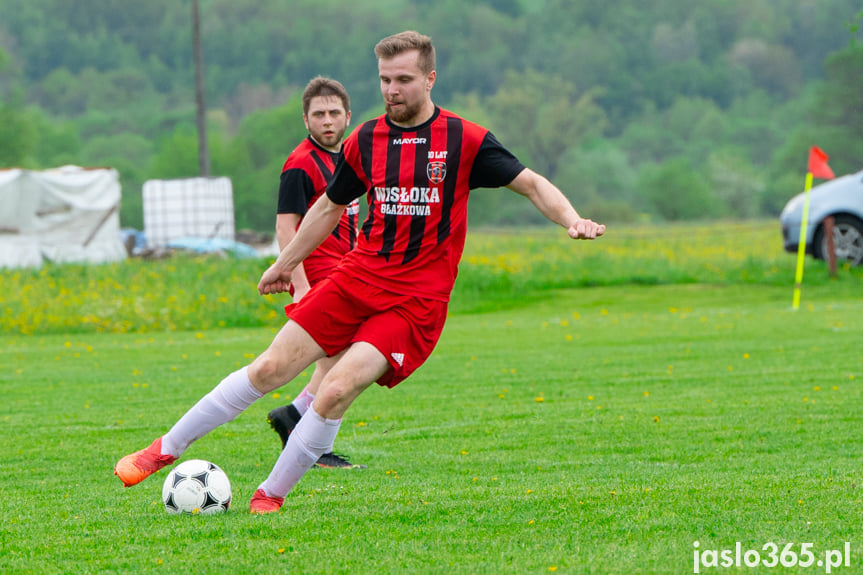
{"x": 847, "y": 240}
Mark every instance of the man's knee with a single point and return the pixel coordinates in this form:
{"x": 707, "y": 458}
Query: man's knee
{"x": 336, "y": 394}
{"x": 264, "y": 372}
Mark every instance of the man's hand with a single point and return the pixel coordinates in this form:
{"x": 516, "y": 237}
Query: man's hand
{"x": 586, "y": 230}
{"x": 274, "y": 280}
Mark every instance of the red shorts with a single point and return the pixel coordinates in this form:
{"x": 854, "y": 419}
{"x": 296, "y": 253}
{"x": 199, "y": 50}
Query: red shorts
{"x": 342, "y": 310}
{"x": 318, "y": 267}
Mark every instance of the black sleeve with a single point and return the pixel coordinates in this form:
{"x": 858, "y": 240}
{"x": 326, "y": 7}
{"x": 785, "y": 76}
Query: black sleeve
{"x": 494, "y": 166}
{"x": 346, "y": 185}
{"x": 296, "y": 190}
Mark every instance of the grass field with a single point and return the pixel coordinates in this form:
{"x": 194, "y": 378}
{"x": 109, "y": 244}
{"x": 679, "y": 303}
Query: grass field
{"x": 592, "y": 430}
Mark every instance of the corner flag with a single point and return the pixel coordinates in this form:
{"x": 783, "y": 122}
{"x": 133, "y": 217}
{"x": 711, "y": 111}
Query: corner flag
{"x": 818, "y": 164}
{"x": 817, "y": 168}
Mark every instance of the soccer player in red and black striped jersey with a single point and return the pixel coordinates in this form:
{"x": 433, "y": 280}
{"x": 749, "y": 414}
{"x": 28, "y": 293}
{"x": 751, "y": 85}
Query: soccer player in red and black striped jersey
{"x": 384, "y": 307}
{"x": 305, "y": 175}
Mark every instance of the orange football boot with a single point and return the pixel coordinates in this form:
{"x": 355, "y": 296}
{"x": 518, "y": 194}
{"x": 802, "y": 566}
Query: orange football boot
{"x": 138, "y": 466}
{"x": 262, "y": 503}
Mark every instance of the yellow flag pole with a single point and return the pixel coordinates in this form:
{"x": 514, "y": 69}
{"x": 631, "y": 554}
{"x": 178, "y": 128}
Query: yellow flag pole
{"x": 801, "y": 245}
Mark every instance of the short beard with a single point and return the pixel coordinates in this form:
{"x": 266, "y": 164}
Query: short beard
{"x": 403, "y": 116}
{"x": 337, "y": 138}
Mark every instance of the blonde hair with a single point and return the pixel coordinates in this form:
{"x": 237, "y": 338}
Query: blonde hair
{"x": 392, "y": 46}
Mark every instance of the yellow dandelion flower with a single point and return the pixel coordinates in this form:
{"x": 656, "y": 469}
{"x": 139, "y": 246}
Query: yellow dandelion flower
{"x": 277, "y": 395}
{"x": 539, "y": 399}
{"x": 589, "y": 398}
{"x": 745, "y": 356}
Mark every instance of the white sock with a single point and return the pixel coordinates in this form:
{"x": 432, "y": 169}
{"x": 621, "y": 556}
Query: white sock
{"x": 312, "y": 437}
{"x": 227, "y": 400}
{"x": 303, "y": 401}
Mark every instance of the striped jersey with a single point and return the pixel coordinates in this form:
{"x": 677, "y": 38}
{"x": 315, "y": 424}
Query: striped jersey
{"x": 305, "y": 175}
{"x": 417, "y": 181}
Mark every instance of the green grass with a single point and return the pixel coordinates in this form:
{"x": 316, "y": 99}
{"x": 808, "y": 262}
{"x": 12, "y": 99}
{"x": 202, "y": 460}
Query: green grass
{"x": 499, "y": 270}
{"x": 592, "y": 430}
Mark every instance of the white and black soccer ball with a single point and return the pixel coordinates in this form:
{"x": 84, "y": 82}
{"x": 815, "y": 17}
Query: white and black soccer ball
{"x": 196, "y": 486}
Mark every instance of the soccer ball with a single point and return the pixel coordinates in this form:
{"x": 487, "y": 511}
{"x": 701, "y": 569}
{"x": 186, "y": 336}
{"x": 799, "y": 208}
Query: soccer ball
{"x": 196, "y": 486}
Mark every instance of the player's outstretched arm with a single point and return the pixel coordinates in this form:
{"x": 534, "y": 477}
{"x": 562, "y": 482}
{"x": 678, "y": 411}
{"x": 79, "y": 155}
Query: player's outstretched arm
{"x": 319, "y": 221}
{"x": 551, "y": 202}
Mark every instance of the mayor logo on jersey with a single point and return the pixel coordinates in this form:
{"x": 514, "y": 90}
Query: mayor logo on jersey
{"x": 436, "y": 172}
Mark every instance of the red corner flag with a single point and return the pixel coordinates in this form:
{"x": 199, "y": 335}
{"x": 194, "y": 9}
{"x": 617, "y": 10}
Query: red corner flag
{"x": 818, "y": 164}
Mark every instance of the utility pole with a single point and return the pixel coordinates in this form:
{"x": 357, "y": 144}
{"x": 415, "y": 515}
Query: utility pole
{"x": 201, "y": 114}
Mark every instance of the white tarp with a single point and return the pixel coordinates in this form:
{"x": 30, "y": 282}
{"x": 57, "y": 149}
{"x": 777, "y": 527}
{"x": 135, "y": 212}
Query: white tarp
{"x": 189, "y": 208}
{"x": 67, "y": 214}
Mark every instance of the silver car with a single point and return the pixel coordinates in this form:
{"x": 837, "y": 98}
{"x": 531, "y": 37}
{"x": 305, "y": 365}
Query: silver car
{"x": 841, "y": 198}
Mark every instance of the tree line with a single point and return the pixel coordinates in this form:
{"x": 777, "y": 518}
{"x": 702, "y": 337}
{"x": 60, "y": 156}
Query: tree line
{"x": 638, "y": 110}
